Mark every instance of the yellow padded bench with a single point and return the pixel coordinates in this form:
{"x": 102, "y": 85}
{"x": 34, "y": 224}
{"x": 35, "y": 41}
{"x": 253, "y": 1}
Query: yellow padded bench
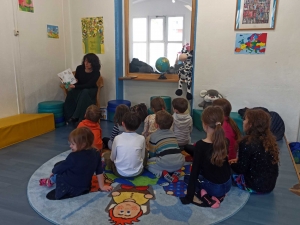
{"x": 14, "y": 129}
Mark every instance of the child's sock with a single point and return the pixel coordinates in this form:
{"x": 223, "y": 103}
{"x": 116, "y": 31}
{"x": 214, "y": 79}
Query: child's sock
{"x": 169, "y": 178}
{"x": 212, "y": 202}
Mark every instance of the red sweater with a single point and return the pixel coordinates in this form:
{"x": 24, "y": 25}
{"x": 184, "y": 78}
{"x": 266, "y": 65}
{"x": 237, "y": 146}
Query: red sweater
{"x": 229, "y": 133}
{"x": 95, "y": 128}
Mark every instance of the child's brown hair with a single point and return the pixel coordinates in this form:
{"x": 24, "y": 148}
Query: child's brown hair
{"x": 259, "y": 123}
{"x": 226, "y": 106}
{"x": 163, "y": 119}
{"x": 83, "y": 137}
{"x": 93, "y": 113}
{"x": 213, "y": 117}
{"x": 180, "y": 104}
{"x": 120, "y": 112}
{"x": 157, "y": 104}
{"x": 131, "y": 121}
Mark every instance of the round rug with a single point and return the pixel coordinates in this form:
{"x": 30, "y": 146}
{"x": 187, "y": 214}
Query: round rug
{"x": 94, "y": 208}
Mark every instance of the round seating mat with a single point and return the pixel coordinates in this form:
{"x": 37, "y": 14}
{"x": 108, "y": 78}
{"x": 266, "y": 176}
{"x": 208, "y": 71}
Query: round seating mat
{"x": 151, "y": 205}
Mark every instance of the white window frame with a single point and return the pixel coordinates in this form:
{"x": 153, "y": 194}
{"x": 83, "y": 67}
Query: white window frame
{"x": 165, "y": 35}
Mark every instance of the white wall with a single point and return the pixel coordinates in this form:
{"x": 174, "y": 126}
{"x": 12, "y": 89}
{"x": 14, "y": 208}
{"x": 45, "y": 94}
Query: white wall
{"x": 41, "y": 58}
{"x": 8, "y": 90}
{"x": 271, "y": 80}
{"x": 95, "y": 8}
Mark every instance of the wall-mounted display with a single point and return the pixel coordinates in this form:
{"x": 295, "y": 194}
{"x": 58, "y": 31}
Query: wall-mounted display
{"x": 92, "y": 35}
{"x": 250, "y": 43}
{"x": 52, "y": 31}
{"x": 255, "y": 14}
{"x": 26, "y": 6}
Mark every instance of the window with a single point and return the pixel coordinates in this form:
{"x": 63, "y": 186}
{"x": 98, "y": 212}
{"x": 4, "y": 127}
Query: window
{"x": 156, "y": 37}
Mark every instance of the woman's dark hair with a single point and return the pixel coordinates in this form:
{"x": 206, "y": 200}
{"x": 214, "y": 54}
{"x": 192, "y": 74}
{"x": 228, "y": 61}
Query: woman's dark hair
{"x": 120, "y": 112}
{"x": 157, "y": 104}
{"x": 259, "y": 131}
{"x": 226, "y": 106}
{"x": 83, "y": 137}
{"x": 93, "y": 59}
{"x": 213, "y": 117}
{"x": 132, "y": 121}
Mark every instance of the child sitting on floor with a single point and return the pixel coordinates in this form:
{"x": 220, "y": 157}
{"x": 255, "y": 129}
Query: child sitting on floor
{"x": 210, "y": 175}
{"x": 258, "y": 158}
{"x": 164, "y": 152}
{"x": 156, "y": 105}
{"x": 73, "y": 176}
{"x": 128, "y": 156}
{"x": 118, "y": 128}
{"x": 183, "y": 123}
{"x": 92, "y": 117}
{"x": 232, "y": 132}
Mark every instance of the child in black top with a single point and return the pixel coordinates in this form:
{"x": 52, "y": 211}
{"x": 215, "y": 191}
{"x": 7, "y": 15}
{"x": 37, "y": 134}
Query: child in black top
{"x": 118, "y": 128}
{"x": 73, "y": 176}
{"x": 258, "y": 156}
{"x": 210, "y": 175}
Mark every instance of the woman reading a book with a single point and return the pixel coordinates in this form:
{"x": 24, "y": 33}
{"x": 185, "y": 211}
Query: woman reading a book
{"x": 83, "y": 93}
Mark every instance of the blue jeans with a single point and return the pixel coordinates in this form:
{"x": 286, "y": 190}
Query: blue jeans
{"x": 212, "y": 189}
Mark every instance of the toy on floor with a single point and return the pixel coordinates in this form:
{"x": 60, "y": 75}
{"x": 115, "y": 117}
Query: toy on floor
{"x": 208, "y": 97}
{"x": 185, "y": 72}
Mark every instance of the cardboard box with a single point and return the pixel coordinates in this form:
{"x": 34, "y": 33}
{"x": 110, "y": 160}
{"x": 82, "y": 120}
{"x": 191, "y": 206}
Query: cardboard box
{"x": 103, "y": 113}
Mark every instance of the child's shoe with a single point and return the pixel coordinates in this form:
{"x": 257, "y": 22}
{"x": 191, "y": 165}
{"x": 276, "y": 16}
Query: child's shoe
{"x": 46, "y": 182}
{"x": 169, "y": 178}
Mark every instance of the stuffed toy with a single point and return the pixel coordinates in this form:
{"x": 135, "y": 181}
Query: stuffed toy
{"x": 185, "y": 73}
{"x": 208, "y": 97}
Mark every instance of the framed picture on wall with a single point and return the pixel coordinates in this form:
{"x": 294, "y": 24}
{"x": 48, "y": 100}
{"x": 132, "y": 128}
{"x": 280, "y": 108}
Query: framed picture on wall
{"x": 255, "y": 14}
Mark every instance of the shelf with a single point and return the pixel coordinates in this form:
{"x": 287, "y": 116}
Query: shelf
{"x": 171, "y": 78}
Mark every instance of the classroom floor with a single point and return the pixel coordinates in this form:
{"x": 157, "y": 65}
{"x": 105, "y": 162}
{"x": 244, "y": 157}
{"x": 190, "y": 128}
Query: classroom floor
{"x": 18, "y": 162}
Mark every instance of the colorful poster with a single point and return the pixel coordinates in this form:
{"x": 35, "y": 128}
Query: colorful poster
{"x": 255, "y": 11}
{"x": 52, "y": 31}
{"x": 250, "y": 43}
{"x": 26, "y": 6}
{"x": 92, "y": 35}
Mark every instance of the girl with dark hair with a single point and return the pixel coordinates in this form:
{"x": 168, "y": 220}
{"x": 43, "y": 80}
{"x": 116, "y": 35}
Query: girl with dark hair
{"x": 232, "y": 132}
{"x": 210, "y": 177}
{"x": 258, "y": 156}
{"x": 82, "y": 94}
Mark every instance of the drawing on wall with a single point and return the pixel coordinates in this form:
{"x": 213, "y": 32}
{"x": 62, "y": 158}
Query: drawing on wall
{"x": 92, "y": 35}
{"x": 26, "y": 6}
{"x": 255, "y": 14}
{"x": 250, "y": 43}
{"x": 52, "y": 31}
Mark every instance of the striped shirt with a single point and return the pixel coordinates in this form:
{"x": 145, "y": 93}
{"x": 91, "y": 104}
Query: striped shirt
{"x": 182, "y": 127}
{"x": 162, "y": 140}
{"x": 116, "y": 131}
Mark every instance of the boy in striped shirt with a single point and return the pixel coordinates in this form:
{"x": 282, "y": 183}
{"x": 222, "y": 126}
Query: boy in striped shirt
{"x": 165, "y": 155}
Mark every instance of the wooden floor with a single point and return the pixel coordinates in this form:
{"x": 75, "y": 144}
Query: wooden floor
{"x": 18, "y": 163}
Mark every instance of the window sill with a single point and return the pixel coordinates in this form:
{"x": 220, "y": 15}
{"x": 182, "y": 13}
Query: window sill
{"x": 171, "y": 78}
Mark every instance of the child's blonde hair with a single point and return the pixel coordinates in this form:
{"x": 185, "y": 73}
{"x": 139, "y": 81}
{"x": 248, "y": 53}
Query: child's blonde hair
{"x": 213, "y": 117}
{"x": 120, "y": 112}
{"x": 93, "y": 113}
{"x": 83, "y": 137}
{"x": 157, "y": 104}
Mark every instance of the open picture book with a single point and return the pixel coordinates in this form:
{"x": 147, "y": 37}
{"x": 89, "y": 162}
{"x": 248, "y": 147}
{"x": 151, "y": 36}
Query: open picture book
{"x": 67, "y": 77}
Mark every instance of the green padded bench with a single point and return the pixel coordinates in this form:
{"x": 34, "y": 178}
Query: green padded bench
{"x": 198, "y": 123}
